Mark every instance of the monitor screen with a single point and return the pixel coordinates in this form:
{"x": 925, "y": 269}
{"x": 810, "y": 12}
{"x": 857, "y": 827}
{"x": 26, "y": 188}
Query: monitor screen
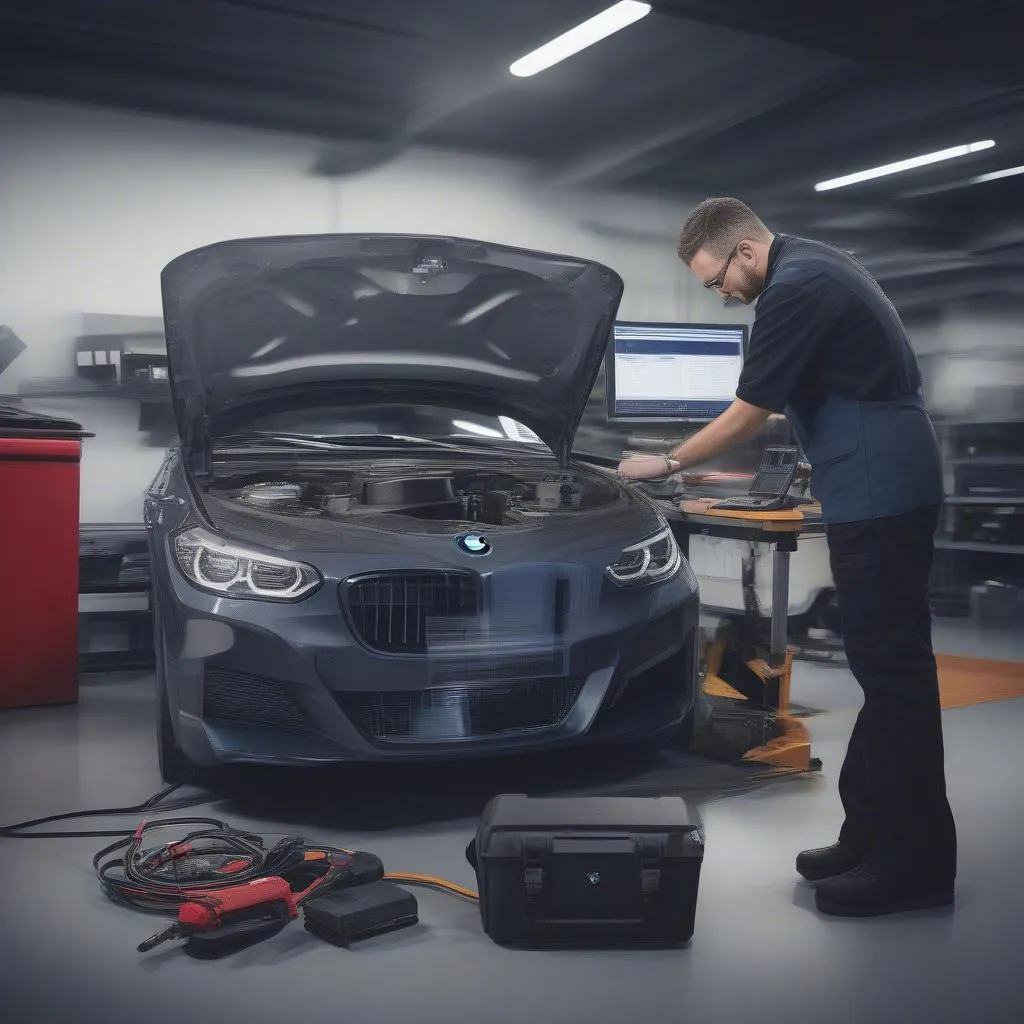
{"x": 673, "y": 371}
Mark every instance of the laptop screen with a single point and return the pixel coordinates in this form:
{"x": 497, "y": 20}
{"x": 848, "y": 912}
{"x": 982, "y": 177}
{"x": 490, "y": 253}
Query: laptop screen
{"x": 776, "y": 472}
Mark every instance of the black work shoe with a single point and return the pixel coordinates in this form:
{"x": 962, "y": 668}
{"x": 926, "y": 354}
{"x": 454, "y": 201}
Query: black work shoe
{"x": 826, "y": 862}
{"x": 861, "y": 893}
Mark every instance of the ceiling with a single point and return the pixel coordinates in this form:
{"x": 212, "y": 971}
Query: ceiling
{"x": 726, "y": 97}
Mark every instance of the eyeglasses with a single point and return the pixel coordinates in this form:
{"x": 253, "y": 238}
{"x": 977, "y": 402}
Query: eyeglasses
{"x": 719, "y": 279}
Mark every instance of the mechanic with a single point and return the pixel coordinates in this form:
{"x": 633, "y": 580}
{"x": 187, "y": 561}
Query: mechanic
{"x": 828, "y": 349}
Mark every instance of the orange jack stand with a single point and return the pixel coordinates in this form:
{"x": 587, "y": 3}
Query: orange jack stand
{"x": 791, "y": 748}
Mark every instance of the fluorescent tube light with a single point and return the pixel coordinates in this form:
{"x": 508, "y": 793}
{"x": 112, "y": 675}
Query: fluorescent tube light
{"x": 904, "y": 165}
{"x": 608, "y": 22}
{"x": 952, "y": 186}
{"x": 1008, "y": 172}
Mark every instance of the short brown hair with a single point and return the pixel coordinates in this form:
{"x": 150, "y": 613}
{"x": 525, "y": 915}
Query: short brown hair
{"x": 717, "y": 225}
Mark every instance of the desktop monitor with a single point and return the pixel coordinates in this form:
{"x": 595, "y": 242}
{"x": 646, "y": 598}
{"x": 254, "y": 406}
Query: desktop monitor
{"x": 670, "y": 372}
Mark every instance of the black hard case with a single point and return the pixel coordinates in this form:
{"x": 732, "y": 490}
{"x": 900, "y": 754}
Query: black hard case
{"x": 576, "y": 870}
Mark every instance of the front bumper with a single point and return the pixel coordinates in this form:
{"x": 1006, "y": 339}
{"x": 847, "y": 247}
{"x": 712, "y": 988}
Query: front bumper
{"x": 294, "y": 684}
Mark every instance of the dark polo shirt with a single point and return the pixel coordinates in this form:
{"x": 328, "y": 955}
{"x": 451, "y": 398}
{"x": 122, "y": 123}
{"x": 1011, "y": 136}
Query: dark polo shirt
{"x": 824, "y": 324}
{"x": 829, "y": 350}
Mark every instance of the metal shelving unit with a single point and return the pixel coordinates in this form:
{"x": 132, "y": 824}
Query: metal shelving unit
{"x": 957, "y": 499}
{"x": 983, "y": 460}
{"x": 969, "y": 545}
{"x": 114, "y": 589}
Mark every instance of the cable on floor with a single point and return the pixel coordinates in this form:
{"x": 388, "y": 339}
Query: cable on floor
{"x": 20, "y": 830}
{"x": 204, "y": 860}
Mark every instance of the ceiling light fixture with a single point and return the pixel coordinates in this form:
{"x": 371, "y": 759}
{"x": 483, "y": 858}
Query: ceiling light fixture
{"x": 904, "y": 165}
{"x": 1007, "y": 172}
{"x": 593, "y": 30}
{"x": 951, "y": 186}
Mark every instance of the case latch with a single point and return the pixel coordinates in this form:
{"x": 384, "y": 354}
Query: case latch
{"x": 535, "y": 850}
{"x": 651, "y": 852}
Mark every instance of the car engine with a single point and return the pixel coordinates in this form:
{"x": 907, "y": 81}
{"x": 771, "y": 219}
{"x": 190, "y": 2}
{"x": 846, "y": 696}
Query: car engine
{"x": 469, "y": 496}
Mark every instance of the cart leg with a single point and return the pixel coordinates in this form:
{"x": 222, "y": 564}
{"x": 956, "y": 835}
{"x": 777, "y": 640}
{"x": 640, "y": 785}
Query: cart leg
{"x": 780, "y": 600}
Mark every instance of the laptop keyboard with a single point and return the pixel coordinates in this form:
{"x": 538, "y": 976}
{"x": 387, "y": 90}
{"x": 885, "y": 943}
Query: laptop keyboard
{"x": 738, "y": 504}
{"x": 741, "y": 503}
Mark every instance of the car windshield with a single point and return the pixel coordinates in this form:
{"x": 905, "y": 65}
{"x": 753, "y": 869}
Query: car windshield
{"x": 427, "y": 423}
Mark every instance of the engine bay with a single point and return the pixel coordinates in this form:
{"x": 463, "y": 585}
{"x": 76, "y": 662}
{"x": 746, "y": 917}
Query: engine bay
{"x": 488, "y": 497}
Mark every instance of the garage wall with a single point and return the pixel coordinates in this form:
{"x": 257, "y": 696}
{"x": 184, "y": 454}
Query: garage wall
{"x": 94, "y": 203}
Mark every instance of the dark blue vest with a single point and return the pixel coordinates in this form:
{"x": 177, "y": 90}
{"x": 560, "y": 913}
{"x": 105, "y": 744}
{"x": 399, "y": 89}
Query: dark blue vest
{"x": 870, "y": 460}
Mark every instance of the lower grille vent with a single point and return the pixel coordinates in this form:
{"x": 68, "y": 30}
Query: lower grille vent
{"x": 454, "y": 713}
{"x": 238, "y": 697}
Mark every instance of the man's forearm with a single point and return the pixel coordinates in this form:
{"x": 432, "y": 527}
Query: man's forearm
{"x": 739, "y": 423}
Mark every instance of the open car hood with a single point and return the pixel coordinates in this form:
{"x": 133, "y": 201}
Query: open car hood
{"x": 369, "y": 318}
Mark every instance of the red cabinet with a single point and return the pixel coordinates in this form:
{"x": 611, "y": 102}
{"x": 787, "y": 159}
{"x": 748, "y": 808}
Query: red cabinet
{"x": 39, "y": 516}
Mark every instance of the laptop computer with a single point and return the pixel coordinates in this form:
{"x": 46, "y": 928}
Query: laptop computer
{"x": 771, "y": 483}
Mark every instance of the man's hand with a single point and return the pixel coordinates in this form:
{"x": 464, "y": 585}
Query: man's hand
{"x": 646, "y": 467}
{"x": 740, "y": 422}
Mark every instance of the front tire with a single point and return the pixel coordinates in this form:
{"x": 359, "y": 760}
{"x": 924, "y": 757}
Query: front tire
{"x": 684, "y": 735}
{"x": 696, "y": 718}
{"x": 175, "y": 767}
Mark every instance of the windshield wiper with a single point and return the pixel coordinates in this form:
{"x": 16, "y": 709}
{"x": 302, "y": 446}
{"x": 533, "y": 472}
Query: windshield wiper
{"x": 340, "y": 442}
{"x": 319, "y": 441}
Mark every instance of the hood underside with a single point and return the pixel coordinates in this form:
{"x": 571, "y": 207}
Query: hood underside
{"x": 364, "y": 318}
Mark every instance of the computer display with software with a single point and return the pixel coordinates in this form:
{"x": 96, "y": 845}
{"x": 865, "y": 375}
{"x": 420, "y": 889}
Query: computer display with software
{"x": 673, "y": 371}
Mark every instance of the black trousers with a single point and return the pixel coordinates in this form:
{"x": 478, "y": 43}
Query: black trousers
{"x": 892, "y": 784}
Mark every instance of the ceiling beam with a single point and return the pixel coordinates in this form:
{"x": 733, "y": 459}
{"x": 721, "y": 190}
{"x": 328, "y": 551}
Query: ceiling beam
{"x": 966, "y": 37}
{"x": 145, "y": 92}
{"x": 1008, "y": 234}
{"x": 780, "y": 80}
{"x": 934, "y": 294}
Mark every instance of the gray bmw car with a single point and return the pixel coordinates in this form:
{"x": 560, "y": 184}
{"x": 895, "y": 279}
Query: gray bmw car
{"x": 373, "y": 540}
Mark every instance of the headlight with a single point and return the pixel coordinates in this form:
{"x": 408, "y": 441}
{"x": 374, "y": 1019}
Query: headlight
{"x": 650, "y": 561}
{"x": 212, "y": 564}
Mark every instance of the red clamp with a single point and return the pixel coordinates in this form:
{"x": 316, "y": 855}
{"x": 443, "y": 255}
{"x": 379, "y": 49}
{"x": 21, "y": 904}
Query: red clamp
{"x": 222, "y": 919}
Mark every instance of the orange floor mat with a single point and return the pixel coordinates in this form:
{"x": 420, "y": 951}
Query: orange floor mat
{"x": 964, "y": 681}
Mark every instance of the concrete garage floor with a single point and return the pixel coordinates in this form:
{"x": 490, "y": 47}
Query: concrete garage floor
{"x": 760, "y": 952}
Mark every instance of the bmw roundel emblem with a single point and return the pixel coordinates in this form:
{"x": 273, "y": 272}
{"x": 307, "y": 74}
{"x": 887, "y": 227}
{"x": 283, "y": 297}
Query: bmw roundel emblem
{"x": 473, "y": 544}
